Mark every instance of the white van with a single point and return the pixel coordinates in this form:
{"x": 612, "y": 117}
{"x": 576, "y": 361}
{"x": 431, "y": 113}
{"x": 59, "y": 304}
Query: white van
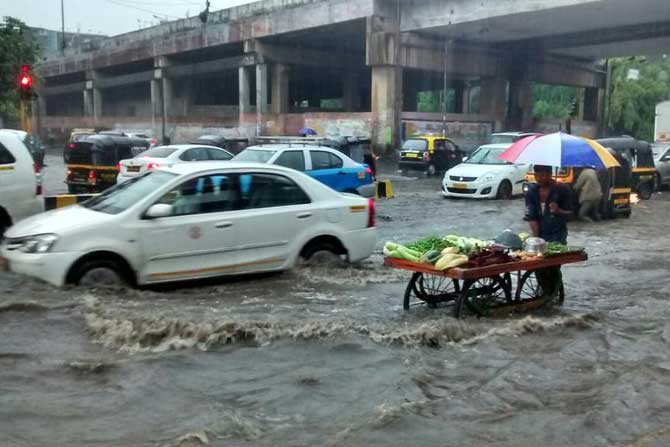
{"x": 20, "y": 186}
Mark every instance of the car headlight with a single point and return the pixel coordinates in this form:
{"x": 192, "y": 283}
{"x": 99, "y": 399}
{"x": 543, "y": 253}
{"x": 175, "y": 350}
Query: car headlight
{"x": 40, "y": 243}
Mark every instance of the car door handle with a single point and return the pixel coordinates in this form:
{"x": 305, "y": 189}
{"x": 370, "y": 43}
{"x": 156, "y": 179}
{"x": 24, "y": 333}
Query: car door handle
{"x": 304, "y": 215}
{"x": 341, "y": 173}
{"x": 224, "y": 225}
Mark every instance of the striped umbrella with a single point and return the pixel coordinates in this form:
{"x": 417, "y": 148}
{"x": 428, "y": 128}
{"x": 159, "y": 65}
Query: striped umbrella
{"x": 559, "y": 150}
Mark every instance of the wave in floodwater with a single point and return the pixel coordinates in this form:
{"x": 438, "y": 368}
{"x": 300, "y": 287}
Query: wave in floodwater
{"x": 23, "y": 307}
{"x": 163, "y": 334}
{"x": 336, "y": 273}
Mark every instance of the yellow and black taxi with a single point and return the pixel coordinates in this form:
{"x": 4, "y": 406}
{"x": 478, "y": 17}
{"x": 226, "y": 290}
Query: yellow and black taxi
{"x": 93, "y": 161}
{"x": 429, "y": 153}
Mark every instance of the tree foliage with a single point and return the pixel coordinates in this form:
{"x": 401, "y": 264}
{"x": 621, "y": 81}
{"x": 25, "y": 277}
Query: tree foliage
{"x": 554, "y": 101}
{"x": 16, "y": 48}
{"x": 633, "y": 99}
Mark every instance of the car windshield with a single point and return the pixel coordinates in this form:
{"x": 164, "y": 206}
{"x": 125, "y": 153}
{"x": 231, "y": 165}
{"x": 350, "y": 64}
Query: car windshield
{"x": 121, "y": 197}
{"x": 159, "y": 152}
{"x": 254, "y": 156}
{"x": 486, "y": 156}
{"x": 415, "y": 145}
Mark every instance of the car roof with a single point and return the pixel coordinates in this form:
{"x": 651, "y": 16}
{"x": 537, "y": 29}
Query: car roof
{"x": 496, "y": 146}
{"x": 203, "y": 166}
{"x": 20, "y": 133}
{"x": 281, "y": 146}
{"x": 513, "y": 134}
{"x": 188, "y": 146}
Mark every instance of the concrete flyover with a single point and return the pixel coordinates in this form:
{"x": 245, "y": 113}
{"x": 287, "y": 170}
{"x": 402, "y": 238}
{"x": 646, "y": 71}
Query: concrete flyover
{"x": 351, "y": 67}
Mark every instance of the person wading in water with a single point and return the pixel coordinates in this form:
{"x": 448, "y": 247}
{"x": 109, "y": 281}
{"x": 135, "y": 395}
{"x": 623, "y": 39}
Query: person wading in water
{"x": 548, "y": 207}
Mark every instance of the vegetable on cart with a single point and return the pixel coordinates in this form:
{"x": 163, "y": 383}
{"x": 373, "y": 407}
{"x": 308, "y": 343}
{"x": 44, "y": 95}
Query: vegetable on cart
{"x": 479, "y": 277}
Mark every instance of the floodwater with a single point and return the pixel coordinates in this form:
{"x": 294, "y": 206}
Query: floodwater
{"x": 325, "y": 355}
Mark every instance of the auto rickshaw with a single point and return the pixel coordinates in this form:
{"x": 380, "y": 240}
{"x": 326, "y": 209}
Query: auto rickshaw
{"x": 640, "y": 157}
{"x": 429, "y": 153}
{"x": 92, "y": 162}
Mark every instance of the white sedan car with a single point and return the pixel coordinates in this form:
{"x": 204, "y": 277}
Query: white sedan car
{"x": 484, "y": 176}
{"x": 166, "y": 156}
{"x": 191, "y": 221}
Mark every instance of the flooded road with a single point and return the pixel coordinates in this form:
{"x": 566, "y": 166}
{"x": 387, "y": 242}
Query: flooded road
{"x": 325, "y": 355}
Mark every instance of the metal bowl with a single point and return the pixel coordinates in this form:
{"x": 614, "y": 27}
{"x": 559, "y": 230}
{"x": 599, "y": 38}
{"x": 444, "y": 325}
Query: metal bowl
{"x": 535, "y": 245}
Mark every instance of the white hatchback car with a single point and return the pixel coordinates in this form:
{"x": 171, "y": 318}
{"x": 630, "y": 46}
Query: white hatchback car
{"x": 20, "y": 187}
{"x": 166, "y": 156}
{"x": 484, "y": 176}
{"x": 191, "y": 221}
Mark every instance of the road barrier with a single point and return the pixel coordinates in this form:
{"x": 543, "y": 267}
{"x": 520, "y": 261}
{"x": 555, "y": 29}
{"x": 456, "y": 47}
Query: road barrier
{"x": 384, "y": 189}
{"x": 63, "y": 200}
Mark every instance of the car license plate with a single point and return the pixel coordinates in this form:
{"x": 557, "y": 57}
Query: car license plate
{"x": 411, "y": 155}
{"x": 133, "y": 169}
{"x": 460, "y": 186}
{"x": 621, "y": 201}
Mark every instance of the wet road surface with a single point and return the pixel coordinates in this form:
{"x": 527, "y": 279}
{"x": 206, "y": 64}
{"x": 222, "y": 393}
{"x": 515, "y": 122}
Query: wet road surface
{"x": 325, "y": 355}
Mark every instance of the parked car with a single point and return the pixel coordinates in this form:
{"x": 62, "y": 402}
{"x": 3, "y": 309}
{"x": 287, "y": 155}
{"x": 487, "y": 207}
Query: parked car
{"x": 34, "y": 144}
{"x": 166, "y": 156}
{"x": 509, "y": 137}
{"x": 20, "y": 188}
{"x": 484, "y": 176}
{"x": 662, "y": 160}
{"x": 325, "y": 164}
{"x": 192, "y": 221}
{"x": 232, "y": 145}
{"x": 429, "y": 153}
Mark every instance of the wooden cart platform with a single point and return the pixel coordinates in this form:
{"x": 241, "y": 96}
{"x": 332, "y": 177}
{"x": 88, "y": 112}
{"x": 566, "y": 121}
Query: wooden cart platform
{"x": 499, "y": 288}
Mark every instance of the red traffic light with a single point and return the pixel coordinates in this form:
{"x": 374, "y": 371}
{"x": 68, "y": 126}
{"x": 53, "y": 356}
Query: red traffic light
{"x": 25, "y": 81}
{"x": 25, "y": 68}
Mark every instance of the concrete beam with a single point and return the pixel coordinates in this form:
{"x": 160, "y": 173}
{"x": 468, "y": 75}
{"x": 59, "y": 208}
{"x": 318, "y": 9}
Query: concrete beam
{"x": 564, "y": 73}
{"x": 644, "y": 31}
{"x": 127, "y": 79}
{"x": 234, "y": 25}
{"x": 213, "y": 66}
{"x": 63, "y": 89}
{"x": 424, "y": 14}
{"x": 301, "y": 56}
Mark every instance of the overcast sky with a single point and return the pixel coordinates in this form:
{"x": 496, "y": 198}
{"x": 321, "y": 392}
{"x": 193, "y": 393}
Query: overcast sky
{"x": 106, "y": 16}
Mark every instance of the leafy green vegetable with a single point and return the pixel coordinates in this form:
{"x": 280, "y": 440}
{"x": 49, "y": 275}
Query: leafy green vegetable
{"x": 429, "y": 243}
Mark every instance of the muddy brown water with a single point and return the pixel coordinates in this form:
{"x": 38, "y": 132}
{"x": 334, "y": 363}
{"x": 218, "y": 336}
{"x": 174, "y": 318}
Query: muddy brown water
{"x": 325, "y": 355}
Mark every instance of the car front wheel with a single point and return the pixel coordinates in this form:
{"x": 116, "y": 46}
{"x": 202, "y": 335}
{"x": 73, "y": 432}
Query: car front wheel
{"x": 99, "y": 273}
{"x": 504, "y": 190}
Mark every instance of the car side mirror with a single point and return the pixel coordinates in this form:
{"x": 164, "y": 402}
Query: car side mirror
{"x": 159, "y": 210}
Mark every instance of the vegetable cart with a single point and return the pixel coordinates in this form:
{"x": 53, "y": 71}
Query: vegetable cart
{"x": 482, "y": 291}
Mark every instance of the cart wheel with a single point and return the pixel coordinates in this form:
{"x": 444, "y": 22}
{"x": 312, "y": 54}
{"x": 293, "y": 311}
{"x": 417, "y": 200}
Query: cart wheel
{"x": 530, "y": 289}
{"x": 480, "y": 296}
{"x": 431, "y": 289}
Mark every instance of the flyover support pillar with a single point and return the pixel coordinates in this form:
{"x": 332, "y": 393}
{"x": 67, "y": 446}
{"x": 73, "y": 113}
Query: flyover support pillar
{"x": 386, "y": 106}
{"x": 493, "y": 100}
{"x": 280, "y": 89}
{"x": 262, "y": 99}
{"x": 521, "y": 106}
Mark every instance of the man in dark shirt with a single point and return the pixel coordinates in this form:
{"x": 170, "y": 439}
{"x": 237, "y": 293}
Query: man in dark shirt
{"x": 548, "y": 206}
